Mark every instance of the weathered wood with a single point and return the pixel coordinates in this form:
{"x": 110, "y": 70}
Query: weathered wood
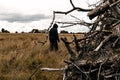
{"x": 112, "y": 75}
{"x": 104, "y": 42}
{"x": 99, "y": 10}
{"x": 52, "y": 69}
{"x": 99, "y": 47}
{"x": 72, "y": 54}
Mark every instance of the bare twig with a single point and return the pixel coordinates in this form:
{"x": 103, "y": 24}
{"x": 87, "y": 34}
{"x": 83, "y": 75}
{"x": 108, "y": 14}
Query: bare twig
{"x": 52, "y": 21}
{"x": 52, "y": 69}
{"x": 98, "y": 76}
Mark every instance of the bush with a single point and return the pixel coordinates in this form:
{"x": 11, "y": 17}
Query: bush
{"x": 63, "y": 31}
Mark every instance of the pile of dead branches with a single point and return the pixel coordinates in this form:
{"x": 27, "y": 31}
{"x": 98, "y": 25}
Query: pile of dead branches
{"x": 97, "y": 54}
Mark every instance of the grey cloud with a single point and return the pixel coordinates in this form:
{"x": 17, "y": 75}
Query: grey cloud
{"x": 16, "y": 17}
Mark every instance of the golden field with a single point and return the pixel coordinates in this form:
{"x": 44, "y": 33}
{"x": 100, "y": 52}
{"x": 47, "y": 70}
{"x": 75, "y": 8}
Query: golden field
{"x": 22, "y": 53}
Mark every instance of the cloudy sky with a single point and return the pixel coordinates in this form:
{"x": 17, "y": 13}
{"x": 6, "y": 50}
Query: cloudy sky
{"x": 25, "y": 15}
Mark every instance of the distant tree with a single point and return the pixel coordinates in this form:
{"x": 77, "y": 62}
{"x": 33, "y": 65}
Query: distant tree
{"x": 63, "y": 31}
{"x": 22, "y": 32}
{"x": 35, "y": 31}
{"x": 43, "y": 31}
{"x": 71, "y": 32}
{"x": 16, "y": 32}
{"x": 4, "y": 31}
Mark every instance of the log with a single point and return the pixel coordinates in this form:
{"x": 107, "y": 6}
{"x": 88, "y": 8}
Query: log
{"x": 72, "y": 54}
{"x": 104, "y": 42}
{"x": 112, "y": 75}
{"x": 99, "y": 10}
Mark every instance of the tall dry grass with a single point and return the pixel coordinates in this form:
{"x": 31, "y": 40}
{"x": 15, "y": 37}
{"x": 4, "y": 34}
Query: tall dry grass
{"x": 20, "y": 55}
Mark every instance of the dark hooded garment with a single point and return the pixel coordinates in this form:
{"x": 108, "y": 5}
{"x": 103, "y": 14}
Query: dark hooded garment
{"x": 53, "y": 37}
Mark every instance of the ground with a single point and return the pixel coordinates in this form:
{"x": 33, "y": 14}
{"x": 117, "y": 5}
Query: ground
{"x": 22, "y": 53}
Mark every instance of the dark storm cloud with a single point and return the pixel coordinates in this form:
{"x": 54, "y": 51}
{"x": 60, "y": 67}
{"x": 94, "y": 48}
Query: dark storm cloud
{"x": 15, "y": 17}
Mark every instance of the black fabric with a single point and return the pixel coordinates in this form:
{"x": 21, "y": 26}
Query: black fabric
{"x": 53, "y": 34}
{"x": 53, "y": 37}
{"x": 53, "y": 45}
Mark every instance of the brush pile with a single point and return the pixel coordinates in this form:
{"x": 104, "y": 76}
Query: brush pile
{"x": 96, "y": 56}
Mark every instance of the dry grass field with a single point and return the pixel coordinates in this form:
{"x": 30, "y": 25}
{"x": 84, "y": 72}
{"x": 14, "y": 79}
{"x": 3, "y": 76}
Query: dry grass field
{"x": 21, "y": 54}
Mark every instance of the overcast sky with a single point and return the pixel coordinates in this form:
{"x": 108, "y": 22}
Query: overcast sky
{"x": 25, "y": 15}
